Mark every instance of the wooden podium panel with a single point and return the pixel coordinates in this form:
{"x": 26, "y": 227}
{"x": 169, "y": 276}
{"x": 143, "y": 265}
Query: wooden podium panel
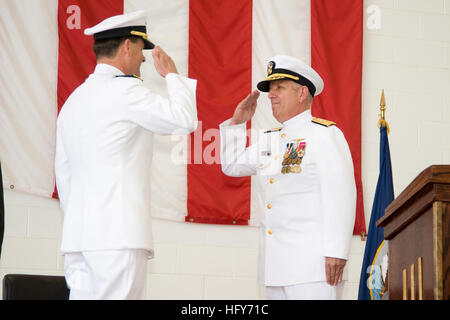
{"x": 417, "y": 225}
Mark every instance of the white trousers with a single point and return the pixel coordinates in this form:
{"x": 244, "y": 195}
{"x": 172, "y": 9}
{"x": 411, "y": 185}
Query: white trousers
{"x": 305, "y": 291}
{"x": 106, "y": 275}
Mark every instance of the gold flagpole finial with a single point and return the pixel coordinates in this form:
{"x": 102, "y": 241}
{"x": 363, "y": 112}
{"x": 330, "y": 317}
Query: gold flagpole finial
{"x": 382, "y": 105}
{"x": 382, "y": 121}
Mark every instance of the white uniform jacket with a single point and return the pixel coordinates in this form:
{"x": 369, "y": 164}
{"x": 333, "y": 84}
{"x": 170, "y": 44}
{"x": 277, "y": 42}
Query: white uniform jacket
{"x": 308, "y": 205}
{"x": 104, "y": 153}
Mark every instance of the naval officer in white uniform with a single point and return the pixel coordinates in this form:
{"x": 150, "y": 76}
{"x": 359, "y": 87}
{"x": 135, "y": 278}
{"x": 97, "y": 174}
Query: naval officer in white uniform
{"x": 103, "y": 158}
{"x": 305, "y": 182}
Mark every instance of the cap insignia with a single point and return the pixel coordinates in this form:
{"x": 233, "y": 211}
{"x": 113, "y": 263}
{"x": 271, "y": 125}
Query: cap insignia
{"x": 270, "y": 67}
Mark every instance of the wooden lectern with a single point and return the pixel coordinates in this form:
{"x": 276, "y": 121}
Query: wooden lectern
{"x": 417, "y": 225}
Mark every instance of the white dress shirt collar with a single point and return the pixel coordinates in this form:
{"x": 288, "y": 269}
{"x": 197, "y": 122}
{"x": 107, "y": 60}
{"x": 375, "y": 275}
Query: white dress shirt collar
{"x": 103, "y": 68}
{"x": 299, "y": 120}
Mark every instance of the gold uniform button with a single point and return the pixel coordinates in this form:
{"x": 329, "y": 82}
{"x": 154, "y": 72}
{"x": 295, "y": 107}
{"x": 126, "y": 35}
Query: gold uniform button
{"x": 271, "y": 180}
{"x": 283, "y": 135}
{"x": 269, "y": 206}
{"x": 269, "y": 231}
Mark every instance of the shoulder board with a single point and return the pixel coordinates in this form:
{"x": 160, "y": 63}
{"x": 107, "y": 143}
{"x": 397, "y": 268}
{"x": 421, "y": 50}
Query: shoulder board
{"x": 128, "y": 76}
{"x": 323, "y": 122}
{"x": 273, "y": 130}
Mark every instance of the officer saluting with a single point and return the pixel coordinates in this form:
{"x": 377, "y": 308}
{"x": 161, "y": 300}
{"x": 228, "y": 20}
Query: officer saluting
{"x": 305, "y": 182}
{"x": 103, "y": 159}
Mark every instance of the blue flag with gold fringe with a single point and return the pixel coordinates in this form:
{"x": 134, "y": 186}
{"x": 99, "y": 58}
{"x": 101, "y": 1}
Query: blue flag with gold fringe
{"x": 371, "y": 283}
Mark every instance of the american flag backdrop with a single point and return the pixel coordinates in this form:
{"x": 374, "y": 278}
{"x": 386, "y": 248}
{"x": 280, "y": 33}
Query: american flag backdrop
{"x": 224, "y": 44}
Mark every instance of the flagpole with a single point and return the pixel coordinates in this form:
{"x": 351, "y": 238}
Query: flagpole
{"x": 372, "y": 286}
{"x": 381, "y": 122}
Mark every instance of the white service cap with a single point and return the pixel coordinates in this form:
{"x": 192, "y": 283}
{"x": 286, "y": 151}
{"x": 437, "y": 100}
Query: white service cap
{"x": 290, "y": 68}
{"x": 122, "y": 25}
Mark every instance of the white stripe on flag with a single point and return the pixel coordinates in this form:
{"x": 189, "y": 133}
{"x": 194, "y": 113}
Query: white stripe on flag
{"x": 28, "y": 57}
{"x": 279, "y": 27}
{"x": 167, "y": 27}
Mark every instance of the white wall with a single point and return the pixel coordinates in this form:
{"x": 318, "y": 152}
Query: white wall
{"x": 409, "y": 56}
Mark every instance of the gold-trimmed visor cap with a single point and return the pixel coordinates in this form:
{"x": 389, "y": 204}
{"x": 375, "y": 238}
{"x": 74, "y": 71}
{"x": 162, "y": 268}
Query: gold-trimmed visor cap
{"x": 122, "y": 25}
{"x": 290, "y": 68}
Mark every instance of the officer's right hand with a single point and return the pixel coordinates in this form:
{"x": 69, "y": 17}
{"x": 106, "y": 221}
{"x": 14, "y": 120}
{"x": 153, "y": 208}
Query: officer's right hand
{"x": 245, "y": 109}
{"x": 163, "y": 63}
{"x": 334, "y": 269}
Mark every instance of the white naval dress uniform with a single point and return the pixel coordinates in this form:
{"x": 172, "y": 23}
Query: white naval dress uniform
{"x": 103, "y": 159}
{"x": 306, "y": 215}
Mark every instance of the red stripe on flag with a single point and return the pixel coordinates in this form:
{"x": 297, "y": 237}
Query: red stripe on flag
{"x": 220, "y": 57}
{"x": 76, "y": 60}
{"x": 336, "y": 54}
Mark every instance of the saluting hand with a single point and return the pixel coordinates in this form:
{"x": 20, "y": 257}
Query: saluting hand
{"x": 163, "y": 63}
{"x": 245, "y": 109}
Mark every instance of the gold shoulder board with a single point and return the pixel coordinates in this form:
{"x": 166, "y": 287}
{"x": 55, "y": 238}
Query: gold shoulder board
{"x": 273, "y": 130}
{"x": 323, "y": 122}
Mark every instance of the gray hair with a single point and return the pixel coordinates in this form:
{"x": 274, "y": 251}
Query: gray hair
{"x": 297, "y": 86}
